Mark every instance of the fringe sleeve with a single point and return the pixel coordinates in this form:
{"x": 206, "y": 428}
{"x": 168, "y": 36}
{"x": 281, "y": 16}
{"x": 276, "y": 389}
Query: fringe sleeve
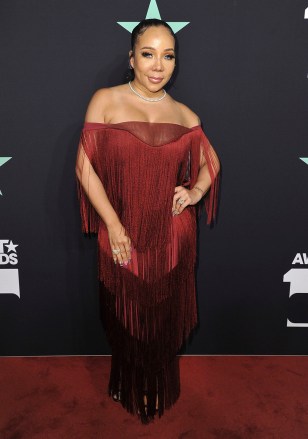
{"x": 89, "y": 217}
{"x": 203, "y": 152}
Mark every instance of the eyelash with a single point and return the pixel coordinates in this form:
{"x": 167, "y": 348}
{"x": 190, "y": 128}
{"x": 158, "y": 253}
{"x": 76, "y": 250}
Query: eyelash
{"x": 148, "y": 53}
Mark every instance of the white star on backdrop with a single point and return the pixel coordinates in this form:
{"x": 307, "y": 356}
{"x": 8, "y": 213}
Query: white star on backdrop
{"x": 11, "y": 247}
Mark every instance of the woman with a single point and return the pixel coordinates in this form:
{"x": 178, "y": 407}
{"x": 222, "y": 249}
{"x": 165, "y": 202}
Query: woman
{"x": 143, "y": 164}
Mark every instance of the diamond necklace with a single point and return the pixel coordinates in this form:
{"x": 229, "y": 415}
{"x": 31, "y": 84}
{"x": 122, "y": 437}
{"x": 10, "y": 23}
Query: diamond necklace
{"x": 147, "y": 99}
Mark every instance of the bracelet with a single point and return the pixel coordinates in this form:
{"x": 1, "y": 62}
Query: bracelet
{"x": 196, "y": 187}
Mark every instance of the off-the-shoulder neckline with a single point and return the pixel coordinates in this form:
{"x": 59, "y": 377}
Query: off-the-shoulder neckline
{"x": 140, "y": 121}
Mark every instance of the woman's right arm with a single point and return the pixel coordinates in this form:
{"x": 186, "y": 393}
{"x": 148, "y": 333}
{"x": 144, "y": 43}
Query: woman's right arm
{"x": 94, "y": 188}
{"x": 89, "y": 180}
{"x": 95, "y": 191}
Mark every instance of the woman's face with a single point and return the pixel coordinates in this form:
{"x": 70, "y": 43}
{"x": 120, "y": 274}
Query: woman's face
{"x": 154, "y": 59}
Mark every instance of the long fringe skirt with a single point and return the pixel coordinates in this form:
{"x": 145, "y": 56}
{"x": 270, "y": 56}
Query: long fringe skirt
{"x": 147, "y": 320}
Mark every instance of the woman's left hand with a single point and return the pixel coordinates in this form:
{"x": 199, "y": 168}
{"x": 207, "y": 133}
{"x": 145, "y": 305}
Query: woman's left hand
{"x": 190, "y": 197}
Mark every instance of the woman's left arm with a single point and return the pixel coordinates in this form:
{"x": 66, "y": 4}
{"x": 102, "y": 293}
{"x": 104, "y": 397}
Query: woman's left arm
{"x": 202, "y": 185}
{"x": 204, "y": 179}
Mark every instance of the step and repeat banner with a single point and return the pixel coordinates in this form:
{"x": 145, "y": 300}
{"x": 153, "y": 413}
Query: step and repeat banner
{"x": 243, "y": 68}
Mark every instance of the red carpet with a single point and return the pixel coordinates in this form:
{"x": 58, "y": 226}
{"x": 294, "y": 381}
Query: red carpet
{"x": 222, "y": 397}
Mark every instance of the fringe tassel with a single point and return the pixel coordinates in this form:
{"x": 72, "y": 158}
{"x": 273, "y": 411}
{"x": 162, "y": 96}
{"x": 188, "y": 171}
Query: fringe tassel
{"x": 202, "y": 151}
{"x": 137, "y": 368}
{"x": 90, "y": 220}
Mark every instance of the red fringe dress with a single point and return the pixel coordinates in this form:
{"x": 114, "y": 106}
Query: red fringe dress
{"x": 148, "y": 308}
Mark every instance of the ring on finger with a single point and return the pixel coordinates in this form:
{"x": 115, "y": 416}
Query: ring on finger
{"x": 181, "y": 201}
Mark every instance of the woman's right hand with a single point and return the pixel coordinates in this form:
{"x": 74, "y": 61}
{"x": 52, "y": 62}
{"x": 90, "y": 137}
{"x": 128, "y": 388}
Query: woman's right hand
{"x": 119, "y": 239}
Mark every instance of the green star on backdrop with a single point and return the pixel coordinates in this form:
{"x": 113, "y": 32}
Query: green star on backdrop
{"x": 153, "y": 12}
{"x": 2, "y": 161}
{"x": 305, "y": 160}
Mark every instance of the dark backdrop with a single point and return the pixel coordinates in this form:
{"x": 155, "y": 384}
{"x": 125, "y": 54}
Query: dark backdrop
{"x": 243, "y": 69}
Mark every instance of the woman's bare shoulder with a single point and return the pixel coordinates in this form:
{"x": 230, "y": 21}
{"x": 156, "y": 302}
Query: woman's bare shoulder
{"x": 95, "y": 110}
{"x": 101, "y": 100}
{"x": 189, "y": 117}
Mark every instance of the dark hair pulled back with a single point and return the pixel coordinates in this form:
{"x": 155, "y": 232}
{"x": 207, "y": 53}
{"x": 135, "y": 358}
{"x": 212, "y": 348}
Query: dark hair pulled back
{"x": 139, "y": 30}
